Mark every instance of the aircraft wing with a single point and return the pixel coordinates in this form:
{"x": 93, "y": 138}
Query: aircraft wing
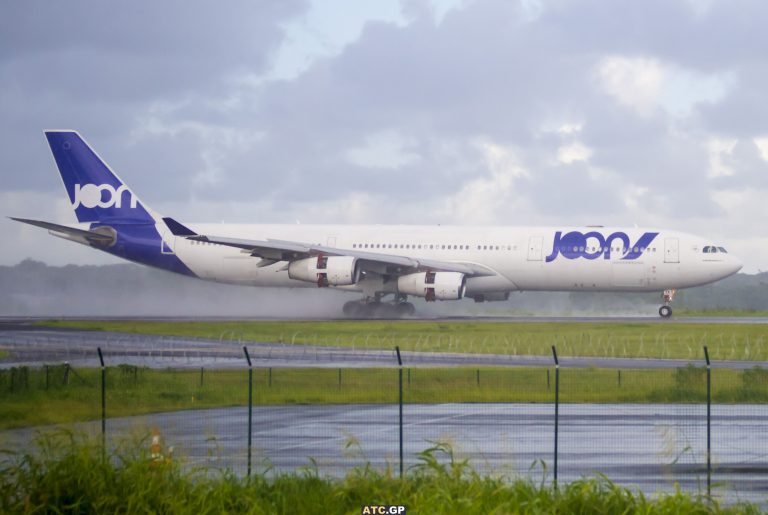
{"x": 272, "y": 251}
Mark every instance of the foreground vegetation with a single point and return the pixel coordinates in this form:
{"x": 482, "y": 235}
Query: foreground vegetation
{"x": 604, "y": 339}
{"x": 30, "y": 397}
{"x": 68, "y": 474}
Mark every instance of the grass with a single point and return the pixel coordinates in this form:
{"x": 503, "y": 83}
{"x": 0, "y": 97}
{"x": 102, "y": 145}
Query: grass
{"x": 635, "y": 340}
{"x": 33, "y": 397}
{"x": 730, "y": 313}
{"x": 67, "y": 473}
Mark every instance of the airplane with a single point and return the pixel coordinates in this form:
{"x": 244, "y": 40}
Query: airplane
{"x": 433, "y": 262}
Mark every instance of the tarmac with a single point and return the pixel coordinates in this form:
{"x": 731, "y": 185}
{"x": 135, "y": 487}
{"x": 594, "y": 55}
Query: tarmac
{"x": 646, "y": 446}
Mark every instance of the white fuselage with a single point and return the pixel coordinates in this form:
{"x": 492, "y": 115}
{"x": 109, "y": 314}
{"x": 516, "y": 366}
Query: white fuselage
{"x": 523, "y": 258}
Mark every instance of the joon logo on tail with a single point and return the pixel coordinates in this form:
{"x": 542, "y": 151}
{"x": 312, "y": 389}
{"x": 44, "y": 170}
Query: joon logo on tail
{"x": 103, "y": 195}
{"x": 592, "y": 245}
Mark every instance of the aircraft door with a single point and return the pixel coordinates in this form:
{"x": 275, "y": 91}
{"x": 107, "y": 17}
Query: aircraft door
{"x": 534, "y": 248}
{"x": 671, "y": 250}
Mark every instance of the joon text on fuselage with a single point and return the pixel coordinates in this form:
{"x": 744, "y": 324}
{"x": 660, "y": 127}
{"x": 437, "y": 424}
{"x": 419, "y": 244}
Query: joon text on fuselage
{"x": 593, "y": 244}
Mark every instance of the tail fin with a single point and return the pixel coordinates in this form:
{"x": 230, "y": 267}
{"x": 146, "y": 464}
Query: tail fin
{"x": 96, "y": 193}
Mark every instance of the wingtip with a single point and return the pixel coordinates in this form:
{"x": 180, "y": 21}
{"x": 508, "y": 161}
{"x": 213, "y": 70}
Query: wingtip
{"x": 178, "y": 229}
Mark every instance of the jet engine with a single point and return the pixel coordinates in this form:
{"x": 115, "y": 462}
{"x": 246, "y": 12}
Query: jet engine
{"x": 326, "y": 270}
{"x": 433, "y": 285}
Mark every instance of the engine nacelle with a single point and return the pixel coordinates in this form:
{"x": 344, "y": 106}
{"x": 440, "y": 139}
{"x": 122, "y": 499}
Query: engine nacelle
{"x": 433, "y": 285}
{"x": 326, "y": 270}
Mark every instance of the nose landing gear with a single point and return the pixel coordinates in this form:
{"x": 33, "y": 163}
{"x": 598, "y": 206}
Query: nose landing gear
{"x": 665, "y": 311}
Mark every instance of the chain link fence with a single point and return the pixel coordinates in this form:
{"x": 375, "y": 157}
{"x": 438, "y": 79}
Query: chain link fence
{"x": 698, "y": 427}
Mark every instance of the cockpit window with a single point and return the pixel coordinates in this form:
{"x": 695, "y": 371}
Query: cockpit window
{"x": 709, "y": 249}
{"x": 722, "y": 249}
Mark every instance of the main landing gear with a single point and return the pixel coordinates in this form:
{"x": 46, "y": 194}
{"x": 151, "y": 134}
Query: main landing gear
{"x": 665, "y": 311}
{"x": 375, "y": 308}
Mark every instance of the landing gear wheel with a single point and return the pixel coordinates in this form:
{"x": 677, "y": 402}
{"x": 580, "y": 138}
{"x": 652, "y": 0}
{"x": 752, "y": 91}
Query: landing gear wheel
{"x": 409, "y": 308}
{"x": 665, "y": 311}
{"x": 354, "y": 309}
{"x": 404, "y": 309}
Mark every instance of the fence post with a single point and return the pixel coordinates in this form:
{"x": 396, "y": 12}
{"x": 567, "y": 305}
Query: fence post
{"x": 709, "y": 423}
{"x": 103, "y": 404}
{"x": 339, "y": 378}
{"x": 250, "y": 407}
{"x": 202, "y": 371}
{"x": 557, "y": 405}
{"x": 400, "y": 421}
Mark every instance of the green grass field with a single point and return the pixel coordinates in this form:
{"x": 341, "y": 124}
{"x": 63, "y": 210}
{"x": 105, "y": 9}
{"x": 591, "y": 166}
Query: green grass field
{"x": 68, "y": 474}
{"x": 41, "y": 397}
{"x": 731, "y": 313}
{"x": 604, "y": 339}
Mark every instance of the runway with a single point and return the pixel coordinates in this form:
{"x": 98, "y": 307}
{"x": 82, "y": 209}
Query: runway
{"x": 647, "y": 446}
{"x": 512, "y": 319}
{"x": 31, "y": 345}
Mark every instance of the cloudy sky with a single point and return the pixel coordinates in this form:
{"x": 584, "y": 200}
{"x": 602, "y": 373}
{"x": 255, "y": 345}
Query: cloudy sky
{"x": 463, "y": 112}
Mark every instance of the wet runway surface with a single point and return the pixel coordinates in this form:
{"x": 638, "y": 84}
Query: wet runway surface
{"x": 33, "y": 346}
{"x": 647, "y": 446}
{"x": 619, "y": 319}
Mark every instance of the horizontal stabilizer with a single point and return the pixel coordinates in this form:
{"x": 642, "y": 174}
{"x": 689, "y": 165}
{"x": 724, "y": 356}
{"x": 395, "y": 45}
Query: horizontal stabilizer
{"x": 101, "y": 236}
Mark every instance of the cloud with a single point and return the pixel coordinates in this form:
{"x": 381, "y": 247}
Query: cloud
{"x": 386, "y": 149}
{"x": 576, "y": 151}
{"x": 491, "y": 112}
{"x": 644, "y": 84}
